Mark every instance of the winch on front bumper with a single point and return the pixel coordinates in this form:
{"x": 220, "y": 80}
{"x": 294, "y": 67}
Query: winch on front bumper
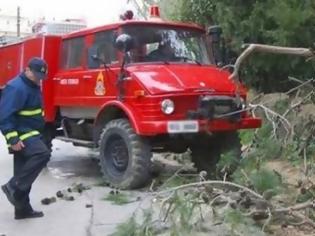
{"x": 217, "y": 107}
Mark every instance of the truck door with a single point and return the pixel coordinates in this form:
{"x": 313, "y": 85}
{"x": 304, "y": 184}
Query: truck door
{"x": 100, "y": 81}
{"x": 69, "y": 85}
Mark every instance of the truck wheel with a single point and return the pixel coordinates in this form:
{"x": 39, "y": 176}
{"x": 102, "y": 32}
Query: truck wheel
{"x": 207, "y": 151}
{"x": 125, "y": 157}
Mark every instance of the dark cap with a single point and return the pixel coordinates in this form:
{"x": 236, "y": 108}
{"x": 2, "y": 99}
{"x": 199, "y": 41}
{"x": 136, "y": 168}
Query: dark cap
{"x": 39, "y": 67}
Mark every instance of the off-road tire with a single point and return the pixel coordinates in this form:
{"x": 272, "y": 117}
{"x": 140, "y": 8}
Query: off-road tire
{"x": 118, "y": 139}
{"x": 206, "y": 152}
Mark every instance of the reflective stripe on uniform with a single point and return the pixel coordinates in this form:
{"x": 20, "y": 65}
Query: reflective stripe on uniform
{"x": 30, "y": 112}
{"x": 29, "y": 134}
{"x": 11, "y": 135}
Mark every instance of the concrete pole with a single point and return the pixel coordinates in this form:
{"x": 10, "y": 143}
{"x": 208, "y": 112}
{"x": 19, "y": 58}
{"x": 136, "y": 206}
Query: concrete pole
{"x": 18, "y": 24}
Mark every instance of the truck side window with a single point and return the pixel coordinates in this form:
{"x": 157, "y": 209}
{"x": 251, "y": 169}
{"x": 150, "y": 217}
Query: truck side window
{"x": 72, "y": 53}
{"x": 103, "y": 48}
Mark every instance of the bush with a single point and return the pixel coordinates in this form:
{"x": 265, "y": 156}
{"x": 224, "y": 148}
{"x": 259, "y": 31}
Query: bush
{"x": 276, "y": 22}
{"x": 264, "y": 180}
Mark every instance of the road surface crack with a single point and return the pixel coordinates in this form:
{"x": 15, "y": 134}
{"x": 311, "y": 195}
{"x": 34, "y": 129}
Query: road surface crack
{"x": 91, "y": 221}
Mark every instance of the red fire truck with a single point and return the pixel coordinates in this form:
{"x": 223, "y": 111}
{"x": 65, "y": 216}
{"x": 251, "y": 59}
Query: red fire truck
{"x": 137, "y": 87}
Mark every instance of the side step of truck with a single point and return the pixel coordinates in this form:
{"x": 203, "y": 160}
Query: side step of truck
{"x": 77, "y": 142}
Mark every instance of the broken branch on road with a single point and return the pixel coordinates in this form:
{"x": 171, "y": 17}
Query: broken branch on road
{"x": 224, "y": 195}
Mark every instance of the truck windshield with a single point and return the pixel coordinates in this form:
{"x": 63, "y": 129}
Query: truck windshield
{"x": 165, "y": 44}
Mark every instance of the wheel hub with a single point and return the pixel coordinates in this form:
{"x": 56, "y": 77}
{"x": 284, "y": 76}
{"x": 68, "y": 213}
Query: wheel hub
{"x": 117, "y": 153}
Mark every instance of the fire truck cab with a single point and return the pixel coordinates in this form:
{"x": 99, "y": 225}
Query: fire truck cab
{"x": 133, "y": 88}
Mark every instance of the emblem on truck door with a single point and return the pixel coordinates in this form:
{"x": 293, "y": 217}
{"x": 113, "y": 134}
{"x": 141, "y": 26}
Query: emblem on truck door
{"x": 100, "y": 86}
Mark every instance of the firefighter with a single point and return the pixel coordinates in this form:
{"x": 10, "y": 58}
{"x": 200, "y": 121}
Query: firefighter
{"x": 21, "y": 123}
{"x": 164, "y": 52}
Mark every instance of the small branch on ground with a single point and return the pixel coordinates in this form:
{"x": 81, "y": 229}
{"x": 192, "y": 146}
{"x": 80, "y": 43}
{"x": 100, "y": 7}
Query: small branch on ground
{"x": 211, "y": 182}
{"x": 298, "y": 207}
{"x": 274, "y": 118}
{"x": 292, "y": 210}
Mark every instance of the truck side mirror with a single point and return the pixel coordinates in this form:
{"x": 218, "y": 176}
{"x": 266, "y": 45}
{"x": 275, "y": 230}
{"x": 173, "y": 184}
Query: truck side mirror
{"x": 93, "y": 59}
{"x": 124, "y": 43}
{"x": 217, "y": 44}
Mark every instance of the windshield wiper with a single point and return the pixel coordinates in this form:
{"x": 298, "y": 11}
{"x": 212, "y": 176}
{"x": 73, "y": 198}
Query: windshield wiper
{"x": 186, "y": 59}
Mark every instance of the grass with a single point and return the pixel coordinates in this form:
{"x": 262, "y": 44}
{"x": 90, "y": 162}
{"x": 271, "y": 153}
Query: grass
{"x": 117, "y": 198}
{"x": 101, "y": 183}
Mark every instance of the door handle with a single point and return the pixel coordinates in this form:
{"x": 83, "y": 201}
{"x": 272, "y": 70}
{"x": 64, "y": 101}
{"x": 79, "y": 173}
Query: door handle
{"x": 87, "y": 76}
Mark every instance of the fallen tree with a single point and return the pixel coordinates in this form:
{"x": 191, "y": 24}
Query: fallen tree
{"x": 259, "y": 198}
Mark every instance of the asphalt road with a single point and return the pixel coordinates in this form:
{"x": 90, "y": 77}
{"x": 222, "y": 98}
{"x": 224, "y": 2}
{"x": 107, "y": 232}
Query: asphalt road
{"x": 69, "y": 165}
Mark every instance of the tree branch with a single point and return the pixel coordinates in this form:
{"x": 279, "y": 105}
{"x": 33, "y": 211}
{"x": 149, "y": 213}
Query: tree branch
{"x": 288, "y": 210}
{"x": 211, "y": 182}
{"x": 297, "y": 207}
{"x": 304, "y": 52}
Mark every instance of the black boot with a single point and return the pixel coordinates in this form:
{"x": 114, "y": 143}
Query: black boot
{"x": 26, "y": 213}
{"x": 9, "y": 192}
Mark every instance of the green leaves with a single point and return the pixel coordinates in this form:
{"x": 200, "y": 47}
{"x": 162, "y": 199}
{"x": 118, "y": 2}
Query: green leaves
{"x": 117, "y": 198}
{"x": 247, "y": 136}
{"x": 240, "y": 225}
{"x": 132, "y": 228}
{"x": 227, "y": 161}
{"x": 127, "y": 228}
{"x": 264, "y": 179}
{"x": 275, "y": 22}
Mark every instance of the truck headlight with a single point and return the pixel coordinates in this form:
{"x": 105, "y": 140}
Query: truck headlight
{"x": 167, "y": 106}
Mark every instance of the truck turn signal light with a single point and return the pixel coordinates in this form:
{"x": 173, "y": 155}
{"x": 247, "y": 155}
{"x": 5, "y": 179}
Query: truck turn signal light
{"x": 155, "y": 12}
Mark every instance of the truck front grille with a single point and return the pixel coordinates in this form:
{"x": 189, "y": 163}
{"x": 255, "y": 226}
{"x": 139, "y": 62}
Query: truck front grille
{"x": 212, "y": 107}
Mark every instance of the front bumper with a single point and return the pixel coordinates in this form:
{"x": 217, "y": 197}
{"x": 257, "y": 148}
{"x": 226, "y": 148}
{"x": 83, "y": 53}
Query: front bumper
{"x": 151, "y": 128}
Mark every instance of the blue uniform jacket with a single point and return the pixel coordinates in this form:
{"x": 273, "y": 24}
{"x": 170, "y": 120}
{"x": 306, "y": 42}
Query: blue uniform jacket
{"x": 21, "y": 113}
